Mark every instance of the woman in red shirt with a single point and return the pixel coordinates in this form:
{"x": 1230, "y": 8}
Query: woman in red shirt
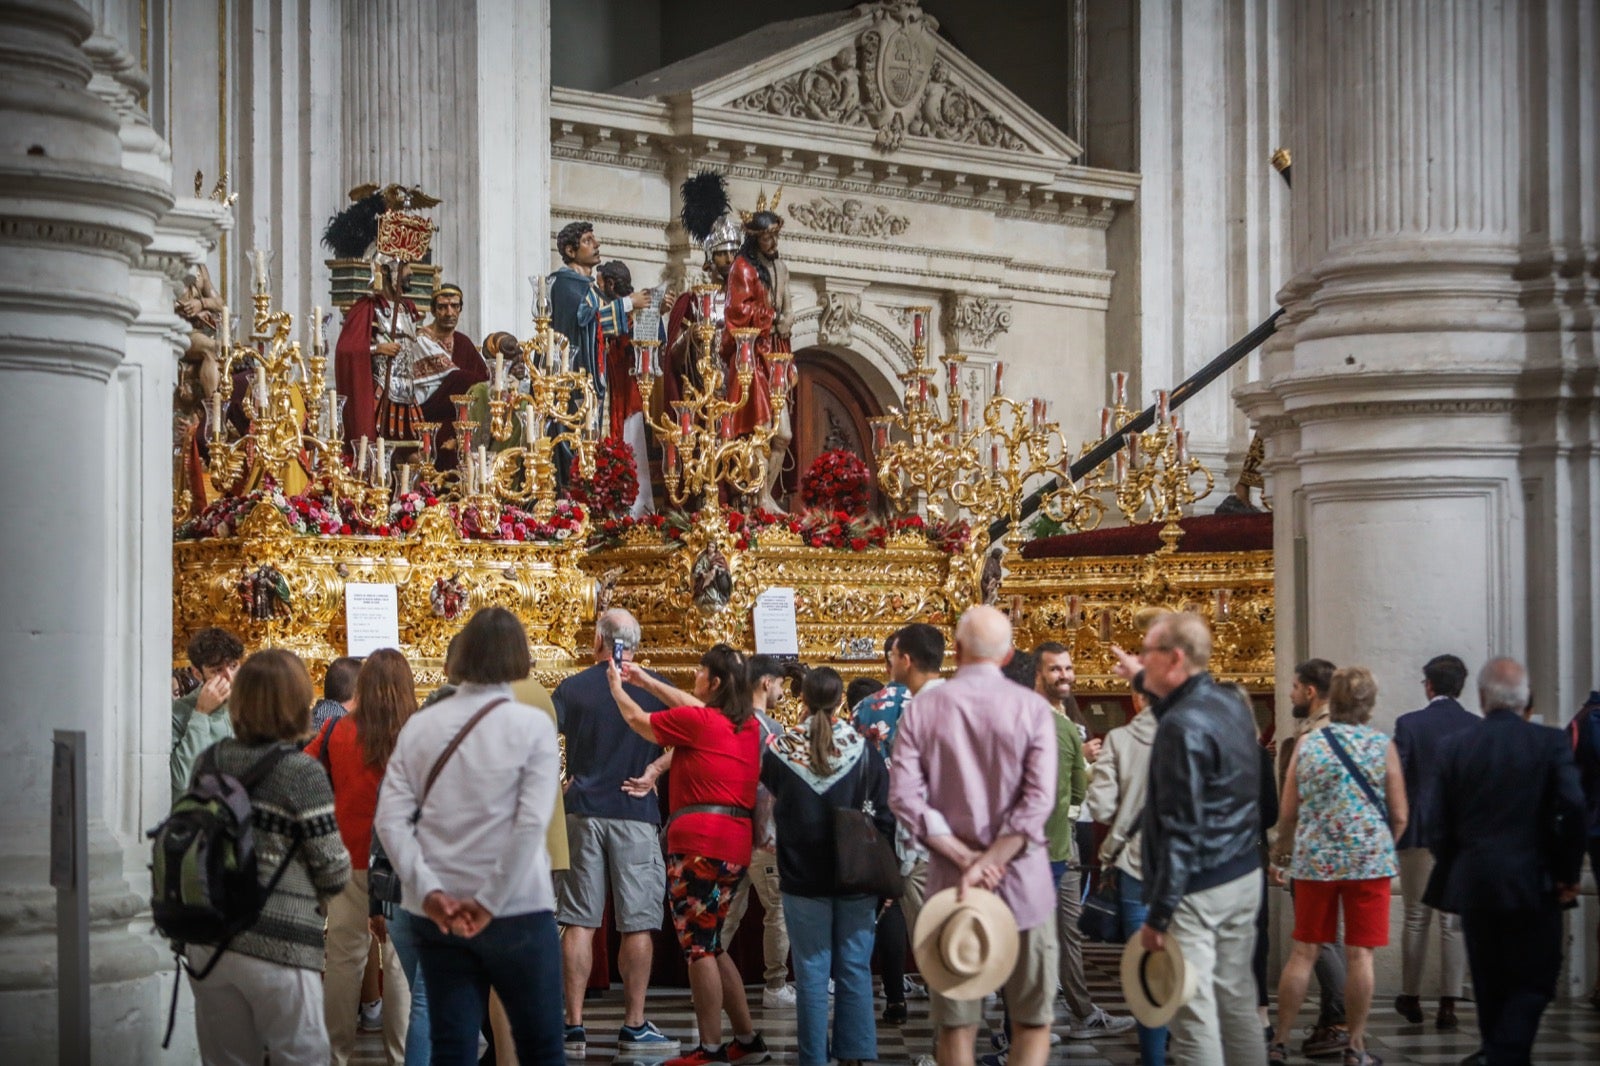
{"x": 716, "y": 762}
{"x": 355, "y": 750}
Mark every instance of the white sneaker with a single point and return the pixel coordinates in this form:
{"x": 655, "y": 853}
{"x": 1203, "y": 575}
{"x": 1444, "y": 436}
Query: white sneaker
{"x": 370, "y": 1019}
{"x": 1098, "y": 1024}
{"x": 778, "y": 998}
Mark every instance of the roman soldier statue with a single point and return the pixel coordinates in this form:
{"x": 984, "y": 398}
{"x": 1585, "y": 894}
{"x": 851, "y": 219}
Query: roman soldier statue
{"x": 707, "y": 220}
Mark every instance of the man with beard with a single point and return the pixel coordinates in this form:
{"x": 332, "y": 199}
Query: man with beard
{"x": 758, "y": 298}
{"x": 450, "y": 366}
{"x": 1308, "y": 699}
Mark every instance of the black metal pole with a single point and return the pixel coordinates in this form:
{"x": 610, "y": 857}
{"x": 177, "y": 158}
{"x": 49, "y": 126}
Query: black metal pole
{"x": 1146, "y": 418}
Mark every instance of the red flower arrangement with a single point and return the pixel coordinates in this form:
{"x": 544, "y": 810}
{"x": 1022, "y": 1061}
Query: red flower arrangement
{"x": 837, "y": 481}
{"x": 615, "y": 484}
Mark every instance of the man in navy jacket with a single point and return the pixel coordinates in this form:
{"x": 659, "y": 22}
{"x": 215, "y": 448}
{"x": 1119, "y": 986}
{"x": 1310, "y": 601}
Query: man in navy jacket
{"x": 1417, "y": 737}
{"x": 1509, "y": 827}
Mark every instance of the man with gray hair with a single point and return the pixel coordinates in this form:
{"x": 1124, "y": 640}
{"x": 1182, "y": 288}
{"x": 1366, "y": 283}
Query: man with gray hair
{"x": 1509, "y": 827}
{"x": 612, "y": 833}
{"x": 1202, "y": 821}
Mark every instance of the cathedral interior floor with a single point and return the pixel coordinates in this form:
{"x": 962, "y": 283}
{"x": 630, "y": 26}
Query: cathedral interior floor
{"x": 1570, "y": 1032}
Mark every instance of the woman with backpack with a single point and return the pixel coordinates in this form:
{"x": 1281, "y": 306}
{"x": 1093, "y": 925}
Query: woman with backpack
{"x": 716, "y": 762}
{"x": 812, "y": 770}
{"x": 355, "y": 750}
{"x": 265, "y": 991}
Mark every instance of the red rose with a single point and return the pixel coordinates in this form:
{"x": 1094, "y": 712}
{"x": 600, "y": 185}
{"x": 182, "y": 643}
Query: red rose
{"x": 344, "y": 530}
{"x": 407, "y": 522}
{"x": 742, "y": 543}
{"x": 857, "y": 544}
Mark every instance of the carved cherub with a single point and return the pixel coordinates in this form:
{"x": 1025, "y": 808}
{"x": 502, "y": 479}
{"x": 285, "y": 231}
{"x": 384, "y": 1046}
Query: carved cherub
{"x": 200, "y": 305}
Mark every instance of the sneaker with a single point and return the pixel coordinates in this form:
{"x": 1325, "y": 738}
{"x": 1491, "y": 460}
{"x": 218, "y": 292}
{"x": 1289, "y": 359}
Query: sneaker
{"x": 997, "y": 1059}
{"x": 1352, "y": 1057}
{"x": 575, "y": 1040}
{"x": 999, "y": 1040}
{"x": 1055, "y": 1038}
{"x": 1277, "y": 1053}
{"x": 755, "y": 1051}
{"x": 698, "y": 1056}
{"x": 925, "y": 1060}
{"x": 915, "y": 989}
{"x": 1325, "y": 1040}
{"x": 370, "y": 1020}
{"x": 778, "y": 998}
{"x": 644, "y": 1039}
{"x": 1099, "y": 1024}
{"x": 895, "y": 1013}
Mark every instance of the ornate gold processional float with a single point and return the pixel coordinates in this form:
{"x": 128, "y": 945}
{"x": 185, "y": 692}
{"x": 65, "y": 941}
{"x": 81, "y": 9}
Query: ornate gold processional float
{"x": 295, "y": 514}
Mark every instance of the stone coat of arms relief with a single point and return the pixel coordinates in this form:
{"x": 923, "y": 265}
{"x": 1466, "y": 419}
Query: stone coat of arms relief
{"x": 891, "y": 80}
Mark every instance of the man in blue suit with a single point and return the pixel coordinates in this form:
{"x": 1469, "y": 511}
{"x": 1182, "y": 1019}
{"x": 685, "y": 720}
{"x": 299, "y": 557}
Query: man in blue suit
{"x": 1418, "y": 737}
{"x": 1509, "y": 826}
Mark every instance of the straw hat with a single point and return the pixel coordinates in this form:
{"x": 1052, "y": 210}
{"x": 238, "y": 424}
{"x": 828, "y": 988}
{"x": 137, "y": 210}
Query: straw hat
{"x": 1156, "y": 984}
{"x": 965, "y": 948}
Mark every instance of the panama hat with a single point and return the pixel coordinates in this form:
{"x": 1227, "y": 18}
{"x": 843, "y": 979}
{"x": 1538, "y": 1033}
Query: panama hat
{"x": 965, "y": 948}
{"x": 1156, "y": 984}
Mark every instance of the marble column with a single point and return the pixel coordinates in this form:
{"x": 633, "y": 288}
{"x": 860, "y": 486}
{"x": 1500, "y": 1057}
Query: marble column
{"x": 1431, "y": 402}
{"x": 455, "y": 98}
{"x": 75, "y": 219}
{"x": 1211, "y": 211}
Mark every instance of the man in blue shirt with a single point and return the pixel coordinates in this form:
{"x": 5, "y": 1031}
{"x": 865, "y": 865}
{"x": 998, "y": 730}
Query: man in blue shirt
{"x": 613, "y": 837}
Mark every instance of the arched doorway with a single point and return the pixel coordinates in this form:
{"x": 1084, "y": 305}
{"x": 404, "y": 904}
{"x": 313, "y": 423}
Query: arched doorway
{"x": 832, "y": 403}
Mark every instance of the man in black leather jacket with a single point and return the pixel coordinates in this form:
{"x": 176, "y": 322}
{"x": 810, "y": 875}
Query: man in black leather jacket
{"x": 1202, "y": 822}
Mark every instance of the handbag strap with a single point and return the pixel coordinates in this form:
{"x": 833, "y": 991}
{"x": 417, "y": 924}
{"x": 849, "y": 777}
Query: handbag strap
{"x": 449, "y": 750}
{"x": 1360, "y": 778}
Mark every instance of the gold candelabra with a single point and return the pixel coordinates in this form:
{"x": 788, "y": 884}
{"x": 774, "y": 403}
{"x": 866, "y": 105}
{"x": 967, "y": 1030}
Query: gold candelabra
{"x": 700, "y": 451}
{"x": 926, "y": 459}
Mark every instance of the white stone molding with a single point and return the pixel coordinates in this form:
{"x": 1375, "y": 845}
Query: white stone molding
{"x": 849, "y": 218}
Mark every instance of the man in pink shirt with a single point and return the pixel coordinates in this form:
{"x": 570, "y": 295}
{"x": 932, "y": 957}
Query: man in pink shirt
{"x": 974, "y": 779}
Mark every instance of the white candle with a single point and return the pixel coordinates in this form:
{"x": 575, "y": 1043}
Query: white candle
{"x": 216, "y": 415}
{"x": 483, "y": 465}
{"x": 361, "y": 458}
{"x": 380, "y": 466}
{"x": 333, "y": 412}
{"x": 499, "y": 371}
{"x": 261, "y": 390}
{"x": 405, "y": 478}
{"x": 316, "y": 328}
{"x": 224, "y": 336}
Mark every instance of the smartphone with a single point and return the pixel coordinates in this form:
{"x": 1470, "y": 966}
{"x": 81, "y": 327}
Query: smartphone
{"x": 617, "y": 650}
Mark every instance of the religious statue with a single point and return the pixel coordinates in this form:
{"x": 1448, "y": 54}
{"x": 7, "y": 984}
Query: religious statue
{"x": 447, "y": 597}
{"x": 626, "y": 422}
{"x": 707, "y": 220}
{"x": 578, "y": 313}
{"x": 200, "y": 305}
{"x": 758, "y": 298}
{"x": 517, "y": 380}
{"x": 711, "y": 579}
{"x": 265, "y": 592}
{"x": 450, "y": 365}
{"x": 379, "y": 351}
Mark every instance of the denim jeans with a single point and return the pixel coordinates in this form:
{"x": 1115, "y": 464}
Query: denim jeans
{"x": 1152, "y": 1042}
{"x": 832, "y": 936}
{"x": 404, "y": 938}
{"x": 520, "y": 957}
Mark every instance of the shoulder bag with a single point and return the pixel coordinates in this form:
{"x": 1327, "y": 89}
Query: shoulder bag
{"x": 449, "y": 750}
{"x": 1343, "y": 756}
{"x": 864, "y": 859}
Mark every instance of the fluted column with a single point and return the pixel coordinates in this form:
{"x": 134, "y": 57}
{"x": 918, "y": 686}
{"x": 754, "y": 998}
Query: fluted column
{"x": 74, "y": 219}
{"x": 455, "y": 98}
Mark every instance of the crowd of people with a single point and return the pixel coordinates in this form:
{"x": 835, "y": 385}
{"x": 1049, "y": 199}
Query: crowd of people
{"x": 452, "y": 838}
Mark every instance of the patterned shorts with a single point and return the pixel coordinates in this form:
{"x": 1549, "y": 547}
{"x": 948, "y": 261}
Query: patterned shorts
{"x": 700, "y": 891}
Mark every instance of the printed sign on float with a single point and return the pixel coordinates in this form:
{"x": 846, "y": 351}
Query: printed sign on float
{"x": 371, "y": 618}
{"x": 772, "y": 619}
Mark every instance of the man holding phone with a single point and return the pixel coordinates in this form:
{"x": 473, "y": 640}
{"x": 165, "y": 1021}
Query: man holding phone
{"x": 613, "y": 836}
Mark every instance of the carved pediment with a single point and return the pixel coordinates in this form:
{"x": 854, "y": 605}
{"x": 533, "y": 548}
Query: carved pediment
{"x": 881, "y": 67}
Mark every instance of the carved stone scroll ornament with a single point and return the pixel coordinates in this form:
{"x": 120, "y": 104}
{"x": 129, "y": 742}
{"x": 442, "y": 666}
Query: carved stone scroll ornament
{"x": 838, "y": 321}
{"x": 849, "y": 218}
{"x": 889, "y": 80}
{"x": 975, "y": 321}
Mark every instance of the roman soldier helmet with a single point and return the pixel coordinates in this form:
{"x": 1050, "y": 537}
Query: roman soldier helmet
{"x": 378, "y": 227}
{"x": 705, "y": 213}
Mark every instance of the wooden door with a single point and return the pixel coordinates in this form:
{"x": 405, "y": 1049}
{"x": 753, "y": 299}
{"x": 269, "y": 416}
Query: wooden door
{"x": 832, "y": 406}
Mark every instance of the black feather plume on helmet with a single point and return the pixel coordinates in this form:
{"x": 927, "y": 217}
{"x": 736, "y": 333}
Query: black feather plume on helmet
{"x": 351, "y": 232}
{"x": 705, "y": 200}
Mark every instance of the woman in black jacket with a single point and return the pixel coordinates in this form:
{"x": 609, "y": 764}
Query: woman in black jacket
{"x": 811, "y": 770}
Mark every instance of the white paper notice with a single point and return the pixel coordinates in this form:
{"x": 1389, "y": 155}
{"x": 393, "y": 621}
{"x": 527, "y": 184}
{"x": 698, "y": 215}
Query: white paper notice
{"x": 371, "y": 618}
{"x": 773, "y": 622}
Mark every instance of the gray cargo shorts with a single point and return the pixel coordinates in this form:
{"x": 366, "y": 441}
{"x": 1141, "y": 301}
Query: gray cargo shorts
{"x": 627, "y": 851}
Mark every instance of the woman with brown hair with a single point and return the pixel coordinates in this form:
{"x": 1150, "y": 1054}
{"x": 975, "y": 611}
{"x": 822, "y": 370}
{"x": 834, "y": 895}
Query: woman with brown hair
{"x": 265, "y": 991}
{"x": 716, "y": 762}
{"x": 1344, "y": 804}
{"x": 355, "y": 750}
{"x": 812, "y": 770}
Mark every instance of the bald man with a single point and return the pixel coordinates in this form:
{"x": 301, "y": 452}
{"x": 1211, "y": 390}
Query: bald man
{"x": 974, "y": 780}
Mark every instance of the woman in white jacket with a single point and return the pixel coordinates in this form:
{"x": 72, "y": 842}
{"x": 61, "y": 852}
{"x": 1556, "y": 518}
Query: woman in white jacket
{"x": 1116, "y": 799}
